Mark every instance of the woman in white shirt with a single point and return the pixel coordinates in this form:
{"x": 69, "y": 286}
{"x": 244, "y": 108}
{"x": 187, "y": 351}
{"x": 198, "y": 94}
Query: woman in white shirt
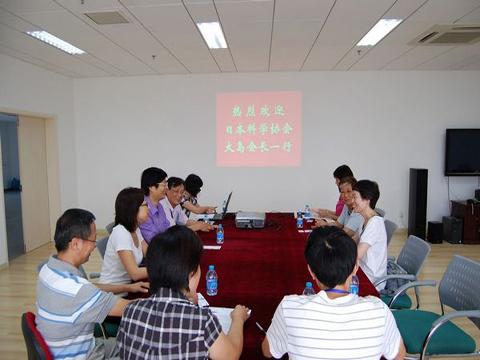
{"x": 126, "y": 247}
{"x": 372, "y": 247}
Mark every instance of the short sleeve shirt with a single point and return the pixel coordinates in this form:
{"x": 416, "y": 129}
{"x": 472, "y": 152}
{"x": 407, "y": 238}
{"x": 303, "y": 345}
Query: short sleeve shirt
{"x": 351, "y": 220}
{"x": 374, "y": 262}
{"x": 157, "y": 222}
{"x": 317, "y": 327}
{"x": 68, "y": 306}
{"x": 113, "y": 271}
{"x": 175, "y": 216}
{"x": 166, "y": 326}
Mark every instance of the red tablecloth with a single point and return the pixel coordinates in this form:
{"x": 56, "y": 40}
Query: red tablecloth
{"x": 257, "y": 268}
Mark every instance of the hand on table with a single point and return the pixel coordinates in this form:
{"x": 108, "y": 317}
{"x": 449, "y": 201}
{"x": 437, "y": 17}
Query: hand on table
{"x": 140, "y": 286}
{"x": 206, "y": 227}
{"x": 240, "y": 312}
{"x": 211, "y": 209}
{"x": 319, "y": 223}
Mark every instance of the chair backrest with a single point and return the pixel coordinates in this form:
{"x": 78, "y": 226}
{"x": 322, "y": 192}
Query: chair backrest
{"x": 37, "y": 348}
{"x": 109, "y": 227}
{"x": 413, "y": 255}
{"x": 460, "y": 285}
{"x": 102, "y": 245}
{"x": 390, "y": 226}
{"x": 380, "y": 212}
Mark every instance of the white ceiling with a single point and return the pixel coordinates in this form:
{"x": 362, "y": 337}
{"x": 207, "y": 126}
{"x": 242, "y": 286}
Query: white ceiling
{"x": 262, "y": 35}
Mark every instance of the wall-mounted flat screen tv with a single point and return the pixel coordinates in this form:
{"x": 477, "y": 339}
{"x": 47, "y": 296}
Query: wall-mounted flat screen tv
{"x": 462, "y": 152}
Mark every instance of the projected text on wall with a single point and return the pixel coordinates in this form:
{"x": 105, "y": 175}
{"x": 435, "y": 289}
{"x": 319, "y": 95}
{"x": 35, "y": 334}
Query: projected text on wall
{"x": 259, "y": 129}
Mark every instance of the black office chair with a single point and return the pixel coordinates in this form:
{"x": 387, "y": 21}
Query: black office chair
{"x": 37, "y": 348}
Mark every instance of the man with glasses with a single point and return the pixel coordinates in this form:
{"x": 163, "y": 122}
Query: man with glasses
{"x": 173, "y": 209}
{"x": 68, "y": 305}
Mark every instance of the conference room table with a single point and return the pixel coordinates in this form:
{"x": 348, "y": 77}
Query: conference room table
{"x": 257, "y": 268}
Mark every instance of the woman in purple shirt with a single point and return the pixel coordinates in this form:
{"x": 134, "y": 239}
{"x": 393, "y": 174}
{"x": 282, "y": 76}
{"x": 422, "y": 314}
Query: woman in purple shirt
{"x": 154, "y": 186}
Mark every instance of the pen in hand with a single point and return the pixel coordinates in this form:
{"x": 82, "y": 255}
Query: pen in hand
{"x": 260, "y": 327}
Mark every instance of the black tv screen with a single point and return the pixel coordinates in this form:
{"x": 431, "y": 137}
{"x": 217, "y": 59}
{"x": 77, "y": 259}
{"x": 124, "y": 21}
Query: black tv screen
{"x": 462, "y": 155}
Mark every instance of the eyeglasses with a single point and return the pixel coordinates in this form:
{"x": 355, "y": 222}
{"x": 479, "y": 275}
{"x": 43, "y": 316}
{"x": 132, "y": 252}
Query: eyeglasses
{"x": 92, "y": 241}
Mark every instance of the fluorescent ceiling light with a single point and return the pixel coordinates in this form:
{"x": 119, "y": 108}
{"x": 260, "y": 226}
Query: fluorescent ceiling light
{"x": 213, "y": 35}
{"x": 379, "y": 31}
{"x": 54, "y": 41}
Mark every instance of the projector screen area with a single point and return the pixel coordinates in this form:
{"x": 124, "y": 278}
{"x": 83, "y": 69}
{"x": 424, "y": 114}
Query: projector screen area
{"x": 259, "y": 129}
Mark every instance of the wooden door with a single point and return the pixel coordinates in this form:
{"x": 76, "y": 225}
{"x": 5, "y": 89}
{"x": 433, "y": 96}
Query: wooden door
{"x": 34, "y": 180}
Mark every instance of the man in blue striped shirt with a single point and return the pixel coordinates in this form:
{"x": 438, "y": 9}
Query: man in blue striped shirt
{"x": 68, "y": 305}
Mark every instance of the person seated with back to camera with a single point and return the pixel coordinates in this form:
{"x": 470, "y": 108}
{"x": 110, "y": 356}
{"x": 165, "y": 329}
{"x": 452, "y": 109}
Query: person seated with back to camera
{"x": 154, "y": 185}
{"x": 170, "y": 324}
{"x": 332, "y": 324}
{"x": 173, "y": 209}
{"x": 350, "y": 221}
{"x": 340, "y": 172}
{"x": 372, "y": 247}
{"x": 193, "y": 185}
{"x": 68, "y": 305}
{"x": 125, "y": 246}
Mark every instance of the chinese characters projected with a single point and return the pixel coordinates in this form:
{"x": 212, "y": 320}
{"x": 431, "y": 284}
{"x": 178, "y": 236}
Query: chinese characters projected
{"x": 259, "y": 129}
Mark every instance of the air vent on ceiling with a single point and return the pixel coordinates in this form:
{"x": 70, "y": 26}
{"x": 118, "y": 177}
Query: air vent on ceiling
{"x": 107, "y": 18}
{"x": 448, "y": 35}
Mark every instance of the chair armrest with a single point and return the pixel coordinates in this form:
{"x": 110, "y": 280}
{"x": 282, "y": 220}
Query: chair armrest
{"x": 444, "y": 319}
{"x": 412, "y": 284}
{"x": 456, "y": 314}
{"x": 409, "y": 277}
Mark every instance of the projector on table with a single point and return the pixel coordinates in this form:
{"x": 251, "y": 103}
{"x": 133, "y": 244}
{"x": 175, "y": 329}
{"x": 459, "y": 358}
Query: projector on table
{"x": 250, "y": 220}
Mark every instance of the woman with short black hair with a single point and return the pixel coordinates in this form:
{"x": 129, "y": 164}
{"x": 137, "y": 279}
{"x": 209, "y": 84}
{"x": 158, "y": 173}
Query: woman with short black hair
{"x": 372, "y": 246}
{"x": 193, "y": 185}
{"x": 170, "y": 324}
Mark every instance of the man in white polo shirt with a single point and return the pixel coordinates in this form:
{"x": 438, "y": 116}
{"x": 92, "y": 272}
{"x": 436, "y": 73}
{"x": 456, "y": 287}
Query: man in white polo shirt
{"x": 173, "y": 209}
{"x": 332, "y": 324}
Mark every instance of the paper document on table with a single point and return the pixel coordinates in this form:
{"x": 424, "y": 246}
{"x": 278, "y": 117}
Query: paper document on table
{"x": 212, "y": 247}
{"x": 223, "y": 315}
{"x": 202, "y": 302}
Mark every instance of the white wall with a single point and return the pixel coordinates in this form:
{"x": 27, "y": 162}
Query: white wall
{"x": 380, "y": 123}
{"x": 28, "y": 89}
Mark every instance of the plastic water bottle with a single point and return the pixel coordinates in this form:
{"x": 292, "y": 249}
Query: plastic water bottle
{"x": 308, "y": 289}
{"x": 308, "y": 213}
{"x": 220, "y": 234}
{"x": 354, "y": 285}
{"x": 212, "y": 281}
{"x": 299, "y": 220}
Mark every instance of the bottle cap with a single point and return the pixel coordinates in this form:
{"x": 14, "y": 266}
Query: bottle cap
{"x": 211, "y": 267}
{"x": 308, "y": 284}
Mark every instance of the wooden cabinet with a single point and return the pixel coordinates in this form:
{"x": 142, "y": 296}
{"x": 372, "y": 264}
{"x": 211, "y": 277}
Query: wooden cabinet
{"x": 470, "y": 213}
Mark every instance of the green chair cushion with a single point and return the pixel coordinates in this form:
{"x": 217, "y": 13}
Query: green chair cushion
{"x": 414, "y": 326}
{"x": 402, "y": 302}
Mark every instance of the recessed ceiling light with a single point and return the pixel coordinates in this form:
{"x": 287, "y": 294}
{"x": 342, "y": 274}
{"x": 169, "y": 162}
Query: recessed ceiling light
{"x": 54, "y": 41}
{"x": 213, "y": 35}
{"x": 379, "y": 31}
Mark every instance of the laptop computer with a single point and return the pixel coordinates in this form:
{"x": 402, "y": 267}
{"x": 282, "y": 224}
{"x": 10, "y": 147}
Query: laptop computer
{"x": 226, "y": 202}
{"x": 217, "y": 216}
